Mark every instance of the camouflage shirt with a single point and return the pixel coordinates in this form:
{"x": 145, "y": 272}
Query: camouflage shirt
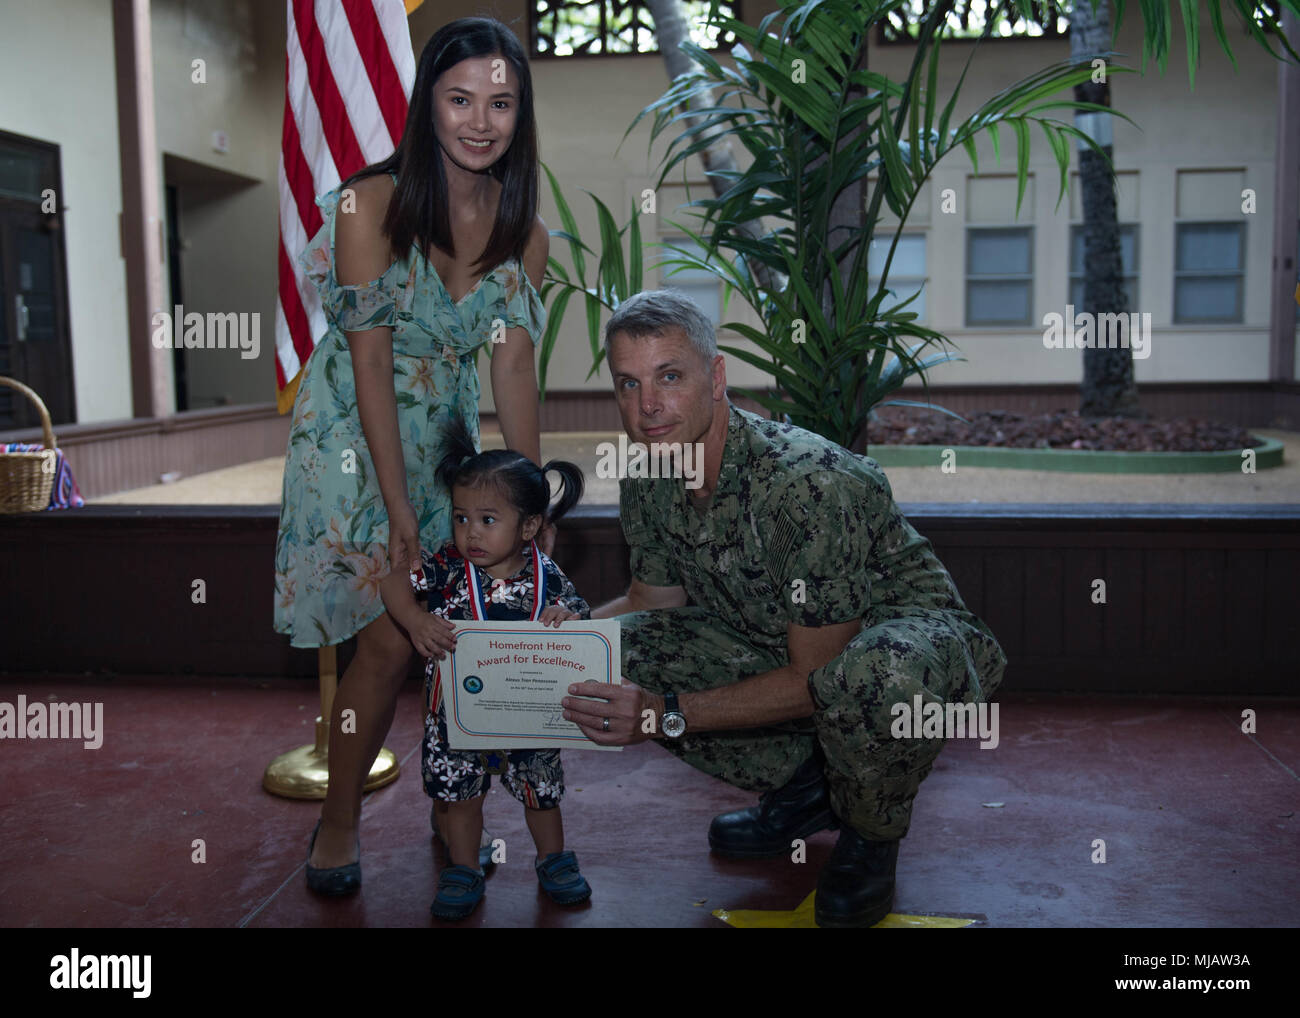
{"x": 799, "y": 531}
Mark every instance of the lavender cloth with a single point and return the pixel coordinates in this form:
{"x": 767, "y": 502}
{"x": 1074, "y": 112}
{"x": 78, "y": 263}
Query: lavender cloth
{"x": 65, "y": 494}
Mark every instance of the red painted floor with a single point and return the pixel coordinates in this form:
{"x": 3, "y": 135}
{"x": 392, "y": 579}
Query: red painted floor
{"x": 1199, "y": 822}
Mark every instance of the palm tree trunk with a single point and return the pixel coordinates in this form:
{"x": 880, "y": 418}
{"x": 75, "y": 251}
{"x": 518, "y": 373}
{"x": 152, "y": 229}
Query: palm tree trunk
{"x": 670, "y": 30}
{"x": 848, "y": 219}
{"x": 1108, "y": 384}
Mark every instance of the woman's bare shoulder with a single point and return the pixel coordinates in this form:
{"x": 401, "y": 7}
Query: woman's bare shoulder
{"x": 361, "y": 249}
{"x": 369, "y": 197}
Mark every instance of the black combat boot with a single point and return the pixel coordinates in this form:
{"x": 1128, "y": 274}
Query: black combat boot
{"x": 800, "y": 808}
{"x": 856, "y": 886}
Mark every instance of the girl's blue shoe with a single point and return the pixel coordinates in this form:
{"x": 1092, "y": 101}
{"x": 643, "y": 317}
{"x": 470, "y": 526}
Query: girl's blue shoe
{"x": 460, "y": 889}
{"x": 558, "y": 874}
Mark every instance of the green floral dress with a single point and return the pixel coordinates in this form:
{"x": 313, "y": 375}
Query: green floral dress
{"x": 332, "y": 545}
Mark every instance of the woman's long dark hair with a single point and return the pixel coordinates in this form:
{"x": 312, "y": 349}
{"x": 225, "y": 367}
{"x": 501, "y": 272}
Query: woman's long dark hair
{"x": 523, "y": 481}
{"x": 418, "y": 212}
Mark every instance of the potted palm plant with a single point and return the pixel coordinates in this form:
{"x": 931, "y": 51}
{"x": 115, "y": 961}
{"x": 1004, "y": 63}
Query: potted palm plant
{"x": 820, "y": 127}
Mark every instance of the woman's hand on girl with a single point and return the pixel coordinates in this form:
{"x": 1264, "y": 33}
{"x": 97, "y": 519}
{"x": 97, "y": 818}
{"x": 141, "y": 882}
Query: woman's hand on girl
{"x": 403, "y": 538}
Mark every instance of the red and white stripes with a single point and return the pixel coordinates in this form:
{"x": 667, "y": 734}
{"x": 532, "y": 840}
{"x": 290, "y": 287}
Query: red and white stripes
{"x": 349, "y": 69}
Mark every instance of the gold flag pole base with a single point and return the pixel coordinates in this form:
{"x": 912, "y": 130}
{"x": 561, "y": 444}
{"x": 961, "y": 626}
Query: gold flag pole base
{"x": 304, "y": 773}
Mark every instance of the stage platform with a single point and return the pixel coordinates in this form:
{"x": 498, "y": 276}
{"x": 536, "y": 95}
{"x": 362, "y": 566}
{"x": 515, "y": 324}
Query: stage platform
{"x": 1199, "y": 598}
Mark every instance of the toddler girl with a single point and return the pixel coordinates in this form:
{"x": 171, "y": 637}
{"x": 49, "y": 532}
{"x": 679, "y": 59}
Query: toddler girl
{"x": 494, "y": 570}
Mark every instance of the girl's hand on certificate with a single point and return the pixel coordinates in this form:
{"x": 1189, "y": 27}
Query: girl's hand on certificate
{"x": 632, "y": 712}
{"x": 432, "y": 635}
{"x": 554, "y": 614}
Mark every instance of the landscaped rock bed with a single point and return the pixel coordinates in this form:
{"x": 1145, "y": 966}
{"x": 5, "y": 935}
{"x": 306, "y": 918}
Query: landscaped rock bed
{"x": 1062, "y": 429}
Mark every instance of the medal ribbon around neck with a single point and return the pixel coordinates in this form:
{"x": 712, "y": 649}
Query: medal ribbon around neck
{"x": 479, "y": 607}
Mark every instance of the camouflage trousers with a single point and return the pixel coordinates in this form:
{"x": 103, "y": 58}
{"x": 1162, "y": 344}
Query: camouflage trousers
{"x": 873, "y": 777}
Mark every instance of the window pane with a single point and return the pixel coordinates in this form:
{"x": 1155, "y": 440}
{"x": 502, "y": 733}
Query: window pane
{"x": 675, "y": 276}
{"x": 567, "y": 27}
{"x": 21, "y": 172}
{"x": 1128, "y": 249}
{"x": 1077, "y": 248}
{"x": 997, "y": 303}
{"x": 700, "y": 285}
{"x": 1211, "y": 246}
{"x": 1207, "y": 299}
{"x": 909, "y": 256}
{"x": 681, "y": 276}
{"x": 706, "y": 295}
{"x": 998, "y": 252}
{"x": 902, "y": 289}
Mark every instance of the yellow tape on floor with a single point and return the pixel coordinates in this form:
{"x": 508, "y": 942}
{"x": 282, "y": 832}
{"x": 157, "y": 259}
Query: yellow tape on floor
{"x": 801, "y": 918}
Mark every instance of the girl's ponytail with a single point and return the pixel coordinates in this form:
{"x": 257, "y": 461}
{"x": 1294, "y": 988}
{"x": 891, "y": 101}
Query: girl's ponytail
{"x": 571, "y": 486}
{"x": 460, "y": 447}
{"x": 521, "y": 478}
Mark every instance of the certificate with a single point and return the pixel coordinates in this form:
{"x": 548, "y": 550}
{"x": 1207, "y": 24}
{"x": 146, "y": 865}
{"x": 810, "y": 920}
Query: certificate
{"x": 507, "y": 680}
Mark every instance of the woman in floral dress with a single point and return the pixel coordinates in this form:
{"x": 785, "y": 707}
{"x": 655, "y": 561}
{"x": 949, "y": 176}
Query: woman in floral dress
{"x": 422, "y": 259}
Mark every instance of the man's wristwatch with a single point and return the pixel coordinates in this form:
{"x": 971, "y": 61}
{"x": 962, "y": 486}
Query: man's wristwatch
{"x": 672, "y": 724}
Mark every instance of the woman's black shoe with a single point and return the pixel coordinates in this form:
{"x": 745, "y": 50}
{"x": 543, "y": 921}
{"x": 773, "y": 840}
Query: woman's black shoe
{"x": 335, "y": 881}
{"x": 856, "y": 886}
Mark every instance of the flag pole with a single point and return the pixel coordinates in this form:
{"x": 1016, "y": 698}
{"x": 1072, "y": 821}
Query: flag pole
{"x": 304, "y": 773}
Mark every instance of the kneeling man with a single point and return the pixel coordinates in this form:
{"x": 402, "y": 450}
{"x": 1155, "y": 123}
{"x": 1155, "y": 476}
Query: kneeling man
{"x": 814, "y": 607}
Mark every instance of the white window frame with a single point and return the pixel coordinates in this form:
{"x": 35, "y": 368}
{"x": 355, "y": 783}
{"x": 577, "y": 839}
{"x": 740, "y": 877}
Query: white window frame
{"x": 976, "y": 278}
{"x": 677, "y": 280}
{"x": 1239, "y": 275}
{"x": 902, "y": 287}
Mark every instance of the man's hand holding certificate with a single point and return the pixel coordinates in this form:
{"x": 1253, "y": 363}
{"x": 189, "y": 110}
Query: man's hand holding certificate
{"x": 507, "y": 680}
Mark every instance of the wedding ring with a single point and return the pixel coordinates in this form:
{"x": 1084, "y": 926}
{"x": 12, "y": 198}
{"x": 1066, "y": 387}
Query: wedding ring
{"x": 605, "y": 726}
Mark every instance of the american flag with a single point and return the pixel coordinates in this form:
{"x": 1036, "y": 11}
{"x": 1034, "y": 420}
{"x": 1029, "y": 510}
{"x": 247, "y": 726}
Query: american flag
{"x": 349, "y": 69}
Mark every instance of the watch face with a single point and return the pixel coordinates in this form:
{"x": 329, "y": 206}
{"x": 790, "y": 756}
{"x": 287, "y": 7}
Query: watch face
{"x": 674, "y": 725}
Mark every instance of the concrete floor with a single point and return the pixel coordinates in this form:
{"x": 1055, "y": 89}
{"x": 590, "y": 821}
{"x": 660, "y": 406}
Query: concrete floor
{"x": 260, "y": 482}
{"x": 1198, "y": 819}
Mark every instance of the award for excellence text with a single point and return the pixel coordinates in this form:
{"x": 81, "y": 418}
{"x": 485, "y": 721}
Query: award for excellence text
{"x": 508, "y": 678}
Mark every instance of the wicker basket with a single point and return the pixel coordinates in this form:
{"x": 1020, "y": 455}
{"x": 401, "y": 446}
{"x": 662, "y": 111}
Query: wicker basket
{"x": 27, "y": 478}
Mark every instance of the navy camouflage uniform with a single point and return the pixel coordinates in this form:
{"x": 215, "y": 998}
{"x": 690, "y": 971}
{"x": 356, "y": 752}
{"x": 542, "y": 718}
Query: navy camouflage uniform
{"x": 801, "y": 531}
{"x": 533, "y": 776}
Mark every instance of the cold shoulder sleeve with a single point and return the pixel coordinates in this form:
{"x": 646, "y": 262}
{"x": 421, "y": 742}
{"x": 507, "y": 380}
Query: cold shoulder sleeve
{"x": 524, "y": 305}
{"x": 352, "y": 307}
